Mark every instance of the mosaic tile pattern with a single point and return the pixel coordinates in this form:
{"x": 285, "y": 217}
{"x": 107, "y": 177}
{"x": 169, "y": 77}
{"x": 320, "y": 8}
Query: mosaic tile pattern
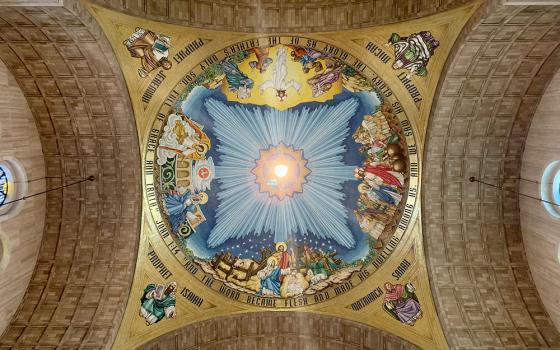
{"x": 481, "y": 281}
{"x": 78, "y": 291}
{"x": 286, "y": 330}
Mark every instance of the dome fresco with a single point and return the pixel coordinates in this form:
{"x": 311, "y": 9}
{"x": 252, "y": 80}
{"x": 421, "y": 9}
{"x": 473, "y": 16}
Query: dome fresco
{"x": 293, "y": 175}
{"x": 281, "y": 172}
{"x": 301, "y": 172}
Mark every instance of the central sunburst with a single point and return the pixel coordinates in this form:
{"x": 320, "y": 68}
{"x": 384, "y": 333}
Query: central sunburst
{"x": 280, "y": 171}
{"x": 259, "y": 183}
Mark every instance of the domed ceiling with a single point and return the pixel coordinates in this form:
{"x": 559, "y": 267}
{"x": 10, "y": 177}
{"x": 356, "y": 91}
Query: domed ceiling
{"x": 274, "y": 195}
{"x": 281, "y": 172}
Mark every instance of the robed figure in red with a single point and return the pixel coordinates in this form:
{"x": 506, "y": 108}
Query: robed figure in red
{"x": 283, "y": 258}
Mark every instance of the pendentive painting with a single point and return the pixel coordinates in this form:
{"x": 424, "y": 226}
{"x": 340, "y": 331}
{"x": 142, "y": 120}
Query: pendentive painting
{"x": 282, "y": 172}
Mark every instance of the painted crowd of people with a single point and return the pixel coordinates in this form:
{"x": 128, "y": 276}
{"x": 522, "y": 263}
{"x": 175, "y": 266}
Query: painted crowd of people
{"x": 326, "y": 71}
{"x": 285, "y": 275}
{"x": 184, "y": 141}
{"x": 286, "y": 272}
{"x": 382, "y": 174}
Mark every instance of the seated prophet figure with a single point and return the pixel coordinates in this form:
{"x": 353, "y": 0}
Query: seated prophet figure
{"x": 157, "y": 302}
{"x": 413, "y": 52}
{"x": 401, "y": 302}
{"x": 180, "y": 206}
{"x": 151, "y": 48}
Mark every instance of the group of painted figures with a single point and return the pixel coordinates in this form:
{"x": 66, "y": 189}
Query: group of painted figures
{"x": 158, "y": 300}
{"x": 412, "y": 53}
{"x": 382, "y": 174}
{"x": 288, "y": 275}
{"x": 184, "y": 144}
{"x": 287, "y": 271}
{"x": 310, "y": 60}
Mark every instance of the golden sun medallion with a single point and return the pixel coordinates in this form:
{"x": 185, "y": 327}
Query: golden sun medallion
{"x": 281, "y": 171}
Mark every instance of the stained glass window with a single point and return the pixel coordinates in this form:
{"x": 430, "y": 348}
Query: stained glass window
{"x": 550, "y": 189}
{"x": 556, "y": 187}
{"x": 3, "y": 185}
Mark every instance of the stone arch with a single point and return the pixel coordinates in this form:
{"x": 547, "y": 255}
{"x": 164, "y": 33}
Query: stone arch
{"x": 480, "y": 277}
{"x": 278, "y": 330}
{"x": 74, "y": 88}
{"x": 281, "y": 16}
{"x": 540, "y": 229}
{"x": 21, "y": 227}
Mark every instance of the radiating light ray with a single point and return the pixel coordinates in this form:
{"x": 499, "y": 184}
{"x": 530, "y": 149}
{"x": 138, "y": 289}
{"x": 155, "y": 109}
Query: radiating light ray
{"x": 318, "y": 209}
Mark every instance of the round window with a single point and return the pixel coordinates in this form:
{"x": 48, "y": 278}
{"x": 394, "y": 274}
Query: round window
{"x": 13, "y": 185}
{"x": 550, "y": 189}
{"x": 4, "y": 186}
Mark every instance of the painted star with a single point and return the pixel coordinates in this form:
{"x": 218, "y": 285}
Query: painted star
{"x": 318, "y": 208}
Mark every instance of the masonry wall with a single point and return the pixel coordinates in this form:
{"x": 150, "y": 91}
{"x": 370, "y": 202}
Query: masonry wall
{"x": 541, "y": 232}
{"x": 79, "y": 288}
{"x": 21, "y": 235}
{"x": 481, "y": 281}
